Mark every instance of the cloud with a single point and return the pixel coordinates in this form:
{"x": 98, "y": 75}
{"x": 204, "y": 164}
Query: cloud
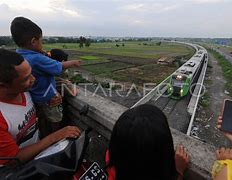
{"x": 208, "y": 1}
{"x": 46, "y": 8}
{"x": 122, "y": 17}
{"x": 150, "y": 7}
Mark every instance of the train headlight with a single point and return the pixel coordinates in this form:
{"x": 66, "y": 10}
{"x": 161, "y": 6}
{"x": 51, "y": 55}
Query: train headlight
{"x": 181, "y": 92}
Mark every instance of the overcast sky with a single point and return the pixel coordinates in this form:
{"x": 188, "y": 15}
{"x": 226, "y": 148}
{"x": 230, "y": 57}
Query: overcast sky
{"x": 156, "y": 18}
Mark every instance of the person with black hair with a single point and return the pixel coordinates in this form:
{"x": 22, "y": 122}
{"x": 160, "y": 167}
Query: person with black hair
{"x": 63, "y": 79}
{"x": 19, "y": 134}
{"x": 141, "y": 147}
{"x": 58, "y": 54}
{"x": 28, "y": 36}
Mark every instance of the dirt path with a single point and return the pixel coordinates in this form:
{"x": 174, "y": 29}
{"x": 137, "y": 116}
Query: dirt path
{"x": 207, "y": 117}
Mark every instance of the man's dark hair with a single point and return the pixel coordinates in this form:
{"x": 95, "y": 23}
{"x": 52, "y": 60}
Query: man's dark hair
{"x": 8, "y": 61}
{"x": 23, "y": 30}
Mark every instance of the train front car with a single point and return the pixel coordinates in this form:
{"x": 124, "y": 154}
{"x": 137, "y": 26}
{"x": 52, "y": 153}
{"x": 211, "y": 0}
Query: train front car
{"x": 186, "y": 75}
{"x": 179, "y": 86}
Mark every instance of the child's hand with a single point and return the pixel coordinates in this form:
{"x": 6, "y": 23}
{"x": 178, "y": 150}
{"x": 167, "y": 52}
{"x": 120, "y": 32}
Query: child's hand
{"x": 224, "y": 153}
{"x": 219, "y": 122}
{"x": 76, "y": 63}
{"x": 55, "y": 101}
{"x": 219, "y": 126}
{"x": 181, "y": 159}
{"x": 70, "y": 64}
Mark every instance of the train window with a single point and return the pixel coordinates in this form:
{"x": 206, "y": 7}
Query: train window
{"x": 191, "y": 64}
{"x": 178, "y": 80}
{"x": 188, "y": 72}
{"x": 177, "y": 83}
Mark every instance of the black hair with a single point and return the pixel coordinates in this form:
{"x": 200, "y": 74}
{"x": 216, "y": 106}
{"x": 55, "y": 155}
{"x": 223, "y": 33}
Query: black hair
{"x": 59, "y": 55}
{"x": 141, "y": 145}
{"x": 8, "y": 61}
{"x": 23, "y": 30}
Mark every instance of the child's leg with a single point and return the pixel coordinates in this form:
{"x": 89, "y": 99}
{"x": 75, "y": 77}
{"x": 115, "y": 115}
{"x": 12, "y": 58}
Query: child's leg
{"x": 54, "y": 116}
{"x": 44, "y": 125}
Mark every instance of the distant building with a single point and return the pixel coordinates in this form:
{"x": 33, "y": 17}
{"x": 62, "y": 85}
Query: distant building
{"x": 165, "y": 60}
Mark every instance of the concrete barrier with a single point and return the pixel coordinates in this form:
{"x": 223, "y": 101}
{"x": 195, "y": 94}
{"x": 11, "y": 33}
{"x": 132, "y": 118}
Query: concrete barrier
{"x": 103, "y": 114}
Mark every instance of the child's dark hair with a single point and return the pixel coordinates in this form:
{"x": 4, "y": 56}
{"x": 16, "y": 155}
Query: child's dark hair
{"x": 141, "y": 145}
{"x": 59, "y": 55}
{"x": 23, "y": 30}
{"x": 8, "y": 61}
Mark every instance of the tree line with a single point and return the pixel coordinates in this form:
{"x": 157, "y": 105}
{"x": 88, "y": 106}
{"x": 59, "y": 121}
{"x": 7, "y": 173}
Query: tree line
{"x": 82, "y": 41}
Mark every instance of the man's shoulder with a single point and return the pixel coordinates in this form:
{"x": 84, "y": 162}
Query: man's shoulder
{"x": 27, "y": 95}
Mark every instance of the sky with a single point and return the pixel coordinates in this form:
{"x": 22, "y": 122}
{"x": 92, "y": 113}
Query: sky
{"x": 120, "y": 18}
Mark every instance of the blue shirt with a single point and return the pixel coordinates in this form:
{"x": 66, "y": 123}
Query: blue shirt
{"x": 43, "y": 69}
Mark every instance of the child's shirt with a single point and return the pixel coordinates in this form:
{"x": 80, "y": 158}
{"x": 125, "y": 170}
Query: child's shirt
{"x": 43, "y": 69}
{"x": 219, "y": 165}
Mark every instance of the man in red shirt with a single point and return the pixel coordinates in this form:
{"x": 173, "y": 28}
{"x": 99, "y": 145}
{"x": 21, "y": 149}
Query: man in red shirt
{"x": 19, "y": 134}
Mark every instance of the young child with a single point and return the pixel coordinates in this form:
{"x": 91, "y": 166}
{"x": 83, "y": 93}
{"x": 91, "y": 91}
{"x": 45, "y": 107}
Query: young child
{"x": 28, "y": 36}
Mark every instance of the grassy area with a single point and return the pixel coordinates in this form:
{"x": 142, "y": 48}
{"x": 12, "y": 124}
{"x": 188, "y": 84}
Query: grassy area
{"x": 226, "y": 69}
{"x": 229, "y": 48}
{"x": 205, "y": 100}
{"x": 105, "y": 69}
{"x": 130, "y": 49}
{"x": 152, "y": 73}
{"x": 89, "y": 58}
{"x": 78, "y": 79}
{"x": 125, "y": 71}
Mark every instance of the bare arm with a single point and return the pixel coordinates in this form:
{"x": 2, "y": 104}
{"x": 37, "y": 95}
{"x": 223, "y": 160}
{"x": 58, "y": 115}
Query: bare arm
{"x": 222, "y": 175}
{"x": 181, "y": 160}
{"x": 29, "y": 152}
{"x": 69, "y": 64}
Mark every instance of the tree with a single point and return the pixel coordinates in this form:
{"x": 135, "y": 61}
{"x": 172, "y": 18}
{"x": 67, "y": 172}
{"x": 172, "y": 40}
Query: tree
{"x": 87, "y": 42}
{"x": 82, "y": 41}
{"x": 158, "y": 43}
{"x": 6, "y": 40}
{"x": 81, "y": 45}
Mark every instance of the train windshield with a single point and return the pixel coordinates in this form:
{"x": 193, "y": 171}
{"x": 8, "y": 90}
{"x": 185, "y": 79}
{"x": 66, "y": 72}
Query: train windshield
{"x": 178, "y": 81}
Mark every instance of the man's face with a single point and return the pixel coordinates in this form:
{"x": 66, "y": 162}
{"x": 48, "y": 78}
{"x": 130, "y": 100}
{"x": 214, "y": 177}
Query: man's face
{"x": 25, "y": 79}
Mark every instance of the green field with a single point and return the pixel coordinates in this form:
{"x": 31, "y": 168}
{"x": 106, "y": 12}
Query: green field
{"x": 135, "y": 62}
{"x": 89, "y": 58}
{"x": 131, "y": 49}
{"x": 152, "y": 73}
{"x": 105, "y": 69}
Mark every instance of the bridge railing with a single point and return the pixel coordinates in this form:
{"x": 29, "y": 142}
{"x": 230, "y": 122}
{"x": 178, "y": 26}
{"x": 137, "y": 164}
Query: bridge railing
{"x": 103, "y": 114}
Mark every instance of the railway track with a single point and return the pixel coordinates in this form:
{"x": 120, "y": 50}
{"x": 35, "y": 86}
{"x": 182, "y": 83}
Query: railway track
{"x": 176, "y": 111}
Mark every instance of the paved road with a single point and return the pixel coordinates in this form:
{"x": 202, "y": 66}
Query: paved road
{"x": 227, "y": 55}
{"x": 206, "y": 118}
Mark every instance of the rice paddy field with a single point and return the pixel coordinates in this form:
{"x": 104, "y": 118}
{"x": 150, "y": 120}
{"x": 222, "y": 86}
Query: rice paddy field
{"x": 133, "y": 62}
